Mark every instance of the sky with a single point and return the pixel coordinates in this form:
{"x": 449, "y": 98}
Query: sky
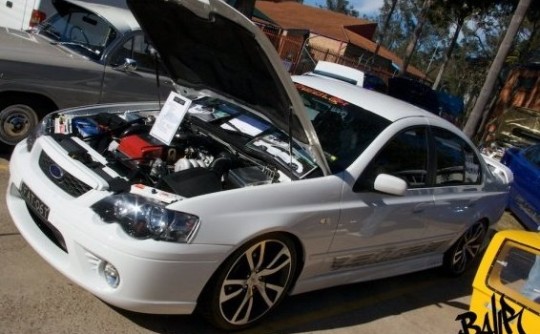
{"x": 364, "y": 7}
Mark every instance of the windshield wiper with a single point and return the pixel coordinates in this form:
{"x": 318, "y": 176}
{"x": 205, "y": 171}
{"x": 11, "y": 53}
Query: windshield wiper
{"x": 82, "y": 45}
{"x": 51, "y": 33}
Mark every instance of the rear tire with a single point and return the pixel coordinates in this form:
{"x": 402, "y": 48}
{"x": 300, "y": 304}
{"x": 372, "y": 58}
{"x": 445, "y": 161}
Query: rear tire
{"x": 466, "y": 250}
{"x": 250, "y": 283}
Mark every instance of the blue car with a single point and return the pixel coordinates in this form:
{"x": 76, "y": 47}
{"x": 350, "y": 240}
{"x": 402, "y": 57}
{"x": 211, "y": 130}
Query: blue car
{"x": 524, "y": 199}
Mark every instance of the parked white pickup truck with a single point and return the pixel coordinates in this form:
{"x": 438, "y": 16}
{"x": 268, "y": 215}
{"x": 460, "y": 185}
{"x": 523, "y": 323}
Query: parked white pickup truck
{"x": 27, "y": 14}
{"x": 85, "y": 53}
{"x": 24, "y": 14}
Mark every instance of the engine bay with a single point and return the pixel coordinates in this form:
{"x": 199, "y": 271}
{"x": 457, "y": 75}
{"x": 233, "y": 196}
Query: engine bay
{"x": 216, "y": 146}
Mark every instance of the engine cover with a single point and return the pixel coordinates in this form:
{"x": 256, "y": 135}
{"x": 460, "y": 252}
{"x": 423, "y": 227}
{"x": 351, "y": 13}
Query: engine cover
{"x": 137, "y": 147}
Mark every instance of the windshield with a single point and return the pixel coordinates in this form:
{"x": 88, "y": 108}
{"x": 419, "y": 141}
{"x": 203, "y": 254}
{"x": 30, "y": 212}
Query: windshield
{"x": 81, "y": 31}
{"x": 344, "y": 129}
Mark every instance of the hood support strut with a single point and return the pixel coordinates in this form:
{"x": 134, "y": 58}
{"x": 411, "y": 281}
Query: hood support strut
{"x": 290, "y": 135}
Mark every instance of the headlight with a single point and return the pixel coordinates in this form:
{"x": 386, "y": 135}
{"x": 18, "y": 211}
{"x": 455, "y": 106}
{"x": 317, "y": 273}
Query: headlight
{"x": 142, "y": 218}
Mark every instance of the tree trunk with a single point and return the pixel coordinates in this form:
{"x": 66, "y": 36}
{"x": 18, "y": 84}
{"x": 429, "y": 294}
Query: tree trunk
{"x": 385, "y": 28}
{"x": 448, "y": 53}
{"x": 472, "y": 122}
{"x": 414, "y": 38}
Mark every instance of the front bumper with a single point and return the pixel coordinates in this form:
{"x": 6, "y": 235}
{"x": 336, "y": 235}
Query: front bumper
{"x": 155, "y": 276}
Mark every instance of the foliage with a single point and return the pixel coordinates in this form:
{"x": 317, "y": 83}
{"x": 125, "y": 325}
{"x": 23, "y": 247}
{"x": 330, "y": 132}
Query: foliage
{"x": 341, "y": 6}
{"x": 484, "y": 25}
{"x": 528, "y": 42}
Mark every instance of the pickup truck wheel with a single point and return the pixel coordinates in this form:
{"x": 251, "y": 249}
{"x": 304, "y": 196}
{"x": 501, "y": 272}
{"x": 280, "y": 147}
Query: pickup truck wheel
{"x": 16, "y": 122}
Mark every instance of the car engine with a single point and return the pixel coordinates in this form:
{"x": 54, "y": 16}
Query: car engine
{"x": 195, "y": 162}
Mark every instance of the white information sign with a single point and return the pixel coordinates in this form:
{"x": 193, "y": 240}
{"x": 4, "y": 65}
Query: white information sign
{"x": 170, "y": 117}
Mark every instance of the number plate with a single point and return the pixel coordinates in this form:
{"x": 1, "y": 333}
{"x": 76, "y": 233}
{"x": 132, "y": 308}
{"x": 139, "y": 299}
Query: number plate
{"x": 36, "y": 204}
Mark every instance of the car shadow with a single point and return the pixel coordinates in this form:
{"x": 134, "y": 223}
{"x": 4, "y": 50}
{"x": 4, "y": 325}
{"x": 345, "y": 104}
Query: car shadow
{"x": 339, "y": 307}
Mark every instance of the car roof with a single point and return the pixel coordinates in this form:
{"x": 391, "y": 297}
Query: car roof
{"x": 121, "y": 18}
{"x": 380, "y": 104}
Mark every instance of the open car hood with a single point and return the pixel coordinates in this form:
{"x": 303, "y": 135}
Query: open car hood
{"x": 206, "y": 44}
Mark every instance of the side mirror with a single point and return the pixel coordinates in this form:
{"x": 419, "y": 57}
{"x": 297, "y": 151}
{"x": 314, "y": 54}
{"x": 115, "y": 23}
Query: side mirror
{"x": 129, "y": 65}
{"x": 390, "y": 184}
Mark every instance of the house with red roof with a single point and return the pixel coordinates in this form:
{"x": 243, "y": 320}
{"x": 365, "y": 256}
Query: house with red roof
{"x": 329, "y": 36}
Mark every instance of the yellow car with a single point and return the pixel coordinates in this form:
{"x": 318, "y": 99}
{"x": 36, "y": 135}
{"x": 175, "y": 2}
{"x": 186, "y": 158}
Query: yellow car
{"x": 506, "y": 289}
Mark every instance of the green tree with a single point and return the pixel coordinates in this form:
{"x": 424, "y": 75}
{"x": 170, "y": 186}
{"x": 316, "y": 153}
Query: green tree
{"x": 385, "y": 27}
{"x": 495, "y": 68}
{"x": 400, "y": 19}
{"x": 528, "y": 41}
{"x": 341, "y": 6}
{"x": 401, "y": 23}
{"x": 454, "y": 13}
{"x": 413, "y": 40}
{"x": 474, "y": 49}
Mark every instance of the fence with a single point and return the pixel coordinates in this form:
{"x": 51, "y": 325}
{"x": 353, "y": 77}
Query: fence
{"x": 298, "y": 57}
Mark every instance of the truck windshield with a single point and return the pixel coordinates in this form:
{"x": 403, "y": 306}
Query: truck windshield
{"x": 81, "y": 31}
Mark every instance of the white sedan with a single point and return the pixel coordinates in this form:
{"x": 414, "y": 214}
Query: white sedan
{"x": 175, "y": 207}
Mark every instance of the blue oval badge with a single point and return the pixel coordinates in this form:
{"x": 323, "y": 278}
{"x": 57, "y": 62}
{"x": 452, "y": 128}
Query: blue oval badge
{"x": 56, "y": 172}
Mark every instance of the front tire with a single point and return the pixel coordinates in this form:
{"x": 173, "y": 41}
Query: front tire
{"x": 250, "y": 283}
{"x": 465, "y": 251}
{"x": 16, "y": 122}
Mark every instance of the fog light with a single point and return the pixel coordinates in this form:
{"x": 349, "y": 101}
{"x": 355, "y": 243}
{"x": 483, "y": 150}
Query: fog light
{"x": 111, "y": 275}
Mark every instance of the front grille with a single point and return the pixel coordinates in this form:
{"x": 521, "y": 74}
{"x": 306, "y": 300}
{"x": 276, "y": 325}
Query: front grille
{"x": 61, "y": 178}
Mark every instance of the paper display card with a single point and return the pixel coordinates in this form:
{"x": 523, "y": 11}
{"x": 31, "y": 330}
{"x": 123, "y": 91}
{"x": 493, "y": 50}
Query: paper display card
{"x": 247, "y": 125}
{"x": 170, "y": 117}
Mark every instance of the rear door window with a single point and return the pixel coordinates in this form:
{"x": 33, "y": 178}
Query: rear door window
{"x": 456, "y": 161}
